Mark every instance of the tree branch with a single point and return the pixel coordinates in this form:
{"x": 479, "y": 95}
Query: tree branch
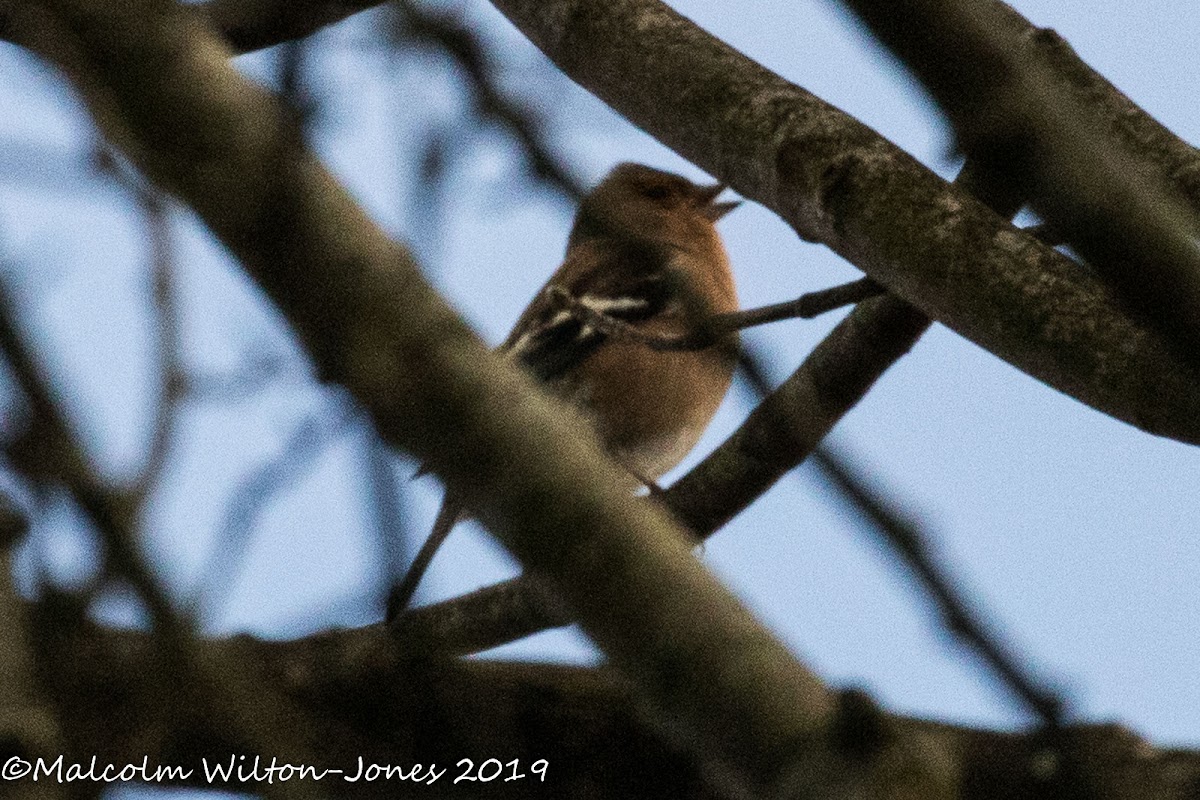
{"x": 837, "y": 182}
{"x": 250, "y": 25}
{"x": 1142, "y": 137}
{"x": 717, "y": 326}
{"x": 463, "y": 45}
{"x": 362, "y": 697}
{"x": 1010, "y": 112}
{"x": 29, "y": 727}
{"x": 960, "y": 617}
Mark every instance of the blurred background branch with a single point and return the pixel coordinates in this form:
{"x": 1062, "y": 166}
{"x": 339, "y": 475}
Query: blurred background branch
{"x": 1011, "y": 111}
{"x": 568, "y": 715}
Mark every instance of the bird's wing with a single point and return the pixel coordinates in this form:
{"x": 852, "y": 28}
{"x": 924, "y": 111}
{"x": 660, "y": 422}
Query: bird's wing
{"x": 550, "y": 340}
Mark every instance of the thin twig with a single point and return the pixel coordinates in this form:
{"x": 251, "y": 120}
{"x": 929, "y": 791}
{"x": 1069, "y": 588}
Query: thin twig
{"x": 807, "y": 306}
{"x": 251, "y": 497}
{"x": 907, "y": 540}
{"x": 168, "y": 349}
{"x": 390, "y": 526}
{"x": 718, "y": 326}
{"x": 491, "y": 102}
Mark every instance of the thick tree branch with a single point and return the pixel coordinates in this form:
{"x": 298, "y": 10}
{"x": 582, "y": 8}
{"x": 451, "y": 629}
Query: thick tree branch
{"x": 256, "y": 24}
{"x": 361, "y": 697}
{"x": 1011, "y": 112}
{"x": 837, "y": 182}
{"x": 28, "y": 725}
{"x": 1143, "y": 138}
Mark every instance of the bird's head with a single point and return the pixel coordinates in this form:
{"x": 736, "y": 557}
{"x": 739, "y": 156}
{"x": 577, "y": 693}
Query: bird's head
{"x": 639, "y": 202}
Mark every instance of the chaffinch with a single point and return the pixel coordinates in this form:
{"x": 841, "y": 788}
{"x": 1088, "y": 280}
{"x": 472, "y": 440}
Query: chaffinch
{"x": 643, "y": 251}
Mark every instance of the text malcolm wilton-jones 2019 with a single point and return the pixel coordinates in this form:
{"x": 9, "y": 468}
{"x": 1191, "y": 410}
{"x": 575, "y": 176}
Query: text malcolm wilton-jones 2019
{"x": 241, "y": 769}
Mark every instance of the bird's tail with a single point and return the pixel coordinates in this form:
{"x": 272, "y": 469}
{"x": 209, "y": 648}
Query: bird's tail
{"x": 402, "y": 593}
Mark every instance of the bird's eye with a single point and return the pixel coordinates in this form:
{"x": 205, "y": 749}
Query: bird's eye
{"x": 657, "y": 192}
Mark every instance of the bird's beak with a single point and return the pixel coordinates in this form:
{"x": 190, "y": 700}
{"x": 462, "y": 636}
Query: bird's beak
{"x": 717, "y": 210}
{"x": 707, "y": 196}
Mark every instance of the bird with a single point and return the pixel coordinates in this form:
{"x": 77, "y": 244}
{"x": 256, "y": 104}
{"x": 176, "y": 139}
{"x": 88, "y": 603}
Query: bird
{"x": 644, "y": 252}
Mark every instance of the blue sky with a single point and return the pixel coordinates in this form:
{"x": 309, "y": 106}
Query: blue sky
{"x": 1076, "y": 531}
